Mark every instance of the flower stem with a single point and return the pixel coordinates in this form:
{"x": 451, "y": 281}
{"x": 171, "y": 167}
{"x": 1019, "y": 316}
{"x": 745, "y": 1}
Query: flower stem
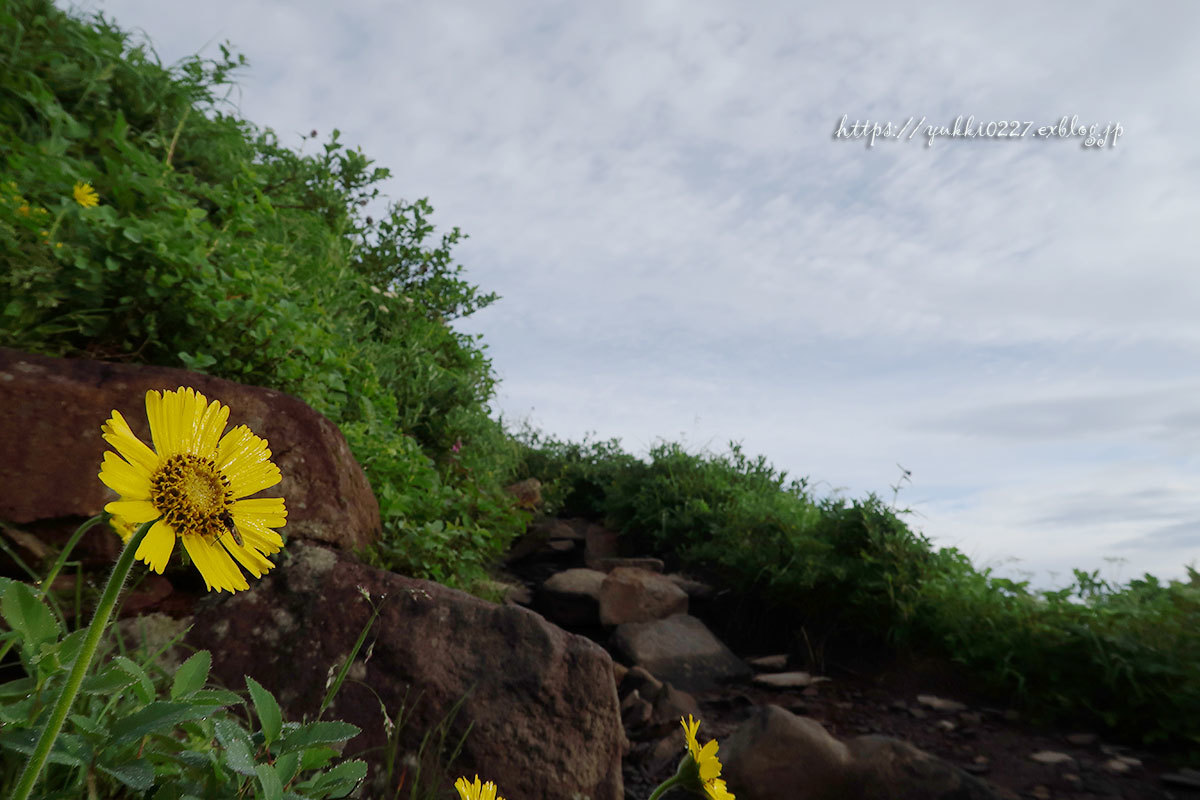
{"x": 664, "y": 787}
{"x": 91, "y": 642}
{"x": 66, "y": 551}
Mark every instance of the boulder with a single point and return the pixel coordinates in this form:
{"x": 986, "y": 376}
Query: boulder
{"x": 778, "y": 754}
{"x": 609, "y": 564}
{"x": 541, "y": 703}
{"x": 51, "y": 410}
{"x": 629, "y": 594}
{"x": 599, "y": 543}
{"x": 572, "y": 597}
{"x": 668, "y": 704}
{"x": 679, "y": 649}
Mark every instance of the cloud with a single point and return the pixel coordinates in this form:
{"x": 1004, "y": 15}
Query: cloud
{"x": 654, "y": 189}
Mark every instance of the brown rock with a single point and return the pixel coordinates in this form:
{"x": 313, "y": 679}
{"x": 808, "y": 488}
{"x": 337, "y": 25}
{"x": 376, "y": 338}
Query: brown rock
{"x": 678, "y": 649}
{"x": 788, "y": 680}
{"x": 609, "y": 564}
{"x": 572, "y": 597}
{"x": 776, "y": 753}
{"x": 694, "y": 588}
{"x": 628, "y": 594}
{"x": 775, "y": 663}
{"x": 51, "y": 410}
{"x": 528, "y": 493}
{"x": 939, "y": 703}
{"x": 541, "y": 702}
{"x": 599, "y": 543}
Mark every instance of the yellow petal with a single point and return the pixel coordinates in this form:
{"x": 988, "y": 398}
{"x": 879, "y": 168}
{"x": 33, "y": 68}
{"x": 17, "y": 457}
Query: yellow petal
{"x": 134, "y": 511}
{"x": 254, "y": 561}
{"x": 262, "y": 539}
{"x": 158, "y": 426}
{"x": 123, "y": 478}
{"x": 117, "y": 433}
{"x": 215, "y": 565}
{"x": 156, "y": 548}
{"x": 269, "y": 511}
{"x": 212, "y": 424}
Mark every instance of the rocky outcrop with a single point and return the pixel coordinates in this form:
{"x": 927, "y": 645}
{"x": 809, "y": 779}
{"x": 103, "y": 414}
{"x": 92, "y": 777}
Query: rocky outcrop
{"x": 51, "y": 410}
{"x": 630, "y": 594}
{"x": 778, "y": 754}
{"x": 680, "y": 650}
{"x": 541, "y": 703}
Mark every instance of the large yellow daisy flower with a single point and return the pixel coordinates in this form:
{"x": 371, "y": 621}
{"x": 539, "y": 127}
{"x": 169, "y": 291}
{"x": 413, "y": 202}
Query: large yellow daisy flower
{"x": 85, "y": 195}
{"x": 196, "y": 483}
{"x": 707, "y": 764}
{"x": 476, "y": 791}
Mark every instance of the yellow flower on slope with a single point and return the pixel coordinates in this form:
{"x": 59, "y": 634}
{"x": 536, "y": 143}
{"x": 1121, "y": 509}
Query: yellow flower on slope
{"x": 197, "y": 484}
{"x": 476, "y": 791}
{"x": 708, "y": 766}
{"x": 85, "y": 195}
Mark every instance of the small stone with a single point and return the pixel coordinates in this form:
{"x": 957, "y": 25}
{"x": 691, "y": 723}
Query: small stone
{"x": 788, "y": 680}
{"x": 1186, "y": 778}
{"x": 971, "y": 718}
{"x": 898, "y": 705}
{"x": 811, "y": 691}
{"x": 1082, "y": 739}
{"x": 1074, "y": 780}
{"x": 776, "y": 662}
{"x": 1116, "y": 766}
{"x": 946, "y": 725}
{"x": 982, "y": 759}
{"x": 919, "y": 713}
{"x": 1130, "y": 760}
{"x": 939, "y": 703}
{"x": 1040, "y": 792}
{"x": 1051, "y": 757}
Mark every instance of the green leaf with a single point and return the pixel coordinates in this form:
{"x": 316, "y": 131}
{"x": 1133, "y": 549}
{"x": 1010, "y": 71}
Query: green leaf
{"x": 269, "y": 715}
{"x": 137, "y": 775}
{"x": 144, "y": 686}
{"x": 339, "y": 781}
{"x": 286, "y": 766}
{"x": 318, "y": 733}
{"x": 191, "y": 675}
{"x": 271, "y": 785}
{"x": 111, "y": 680}
{"x": 157, "y": 716}
{"x": 220, "y": 697}
{"x": 239, "y": 755}
{"x": 26, "y": 614}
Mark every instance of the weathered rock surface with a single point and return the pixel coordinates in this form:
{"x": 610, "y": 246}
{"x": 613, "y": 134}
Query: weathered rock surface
{"x": 51, "y": 410}
{"x": 778, "y": 754}
{"x": 680, "y": 650}
{"x": 572, "y": 597}
{"x": 630, "y": 594}
{"x": 542, "y": 702}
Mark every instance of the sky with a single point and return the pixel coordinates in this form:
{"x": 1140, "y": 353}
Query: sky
{"x": 694, "y": 242}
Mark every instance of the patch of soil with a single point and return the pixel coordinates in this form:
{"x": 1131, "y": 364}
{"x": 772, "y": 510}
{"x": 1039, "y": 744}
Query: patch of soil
{"x": 991, "y": 743}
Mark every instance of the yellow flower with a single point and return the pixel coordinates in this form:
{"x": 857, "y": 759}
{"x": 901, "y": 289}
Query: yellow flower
{"x": 85, "y": 195}
{"x": 196, "y": 484}
{"x": 476, "y": 791}
{"x": 708, "y": 766}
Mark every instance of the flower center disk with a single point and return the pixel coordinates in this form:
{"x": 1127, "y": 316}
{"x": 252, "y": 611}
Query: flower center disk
{"x": 192, "y": 495}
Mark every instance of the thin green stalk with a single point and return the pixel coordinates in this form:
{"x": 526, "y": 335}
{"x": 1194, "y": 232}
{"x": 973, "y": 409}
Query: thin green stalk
{"x": 91, "y": 642}
{"x": 66, "y": 551}
{"x": 666, "y": 786}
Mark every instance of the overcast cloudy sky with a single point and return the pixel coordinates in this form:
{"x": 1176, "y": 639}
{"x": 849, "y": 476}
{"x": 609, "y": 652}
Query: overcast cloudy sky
{"x": 686, "y": 250}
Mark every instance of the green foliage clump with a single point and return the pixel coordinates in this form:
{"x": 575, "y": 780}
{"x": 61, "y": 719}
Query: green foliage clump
{"x": 136, "y": 727}
{"x": 216, "y": 248}
{"x": 851, "y": 576}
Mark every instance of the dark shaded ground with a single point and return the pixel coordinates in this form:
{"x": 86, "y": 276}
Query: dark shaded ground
{"x": 992, "y": 743}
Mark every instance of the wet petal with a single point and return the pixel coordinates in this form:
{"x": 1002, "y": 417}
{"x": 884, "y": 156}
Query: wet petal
{"x": 156, "y": 548}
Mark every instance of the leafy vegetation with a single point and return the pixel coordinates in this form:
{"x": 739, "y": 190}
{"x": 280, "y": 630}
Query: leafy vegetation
{"x": 217, "y": 248}
{"x": 828, "y": 577}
